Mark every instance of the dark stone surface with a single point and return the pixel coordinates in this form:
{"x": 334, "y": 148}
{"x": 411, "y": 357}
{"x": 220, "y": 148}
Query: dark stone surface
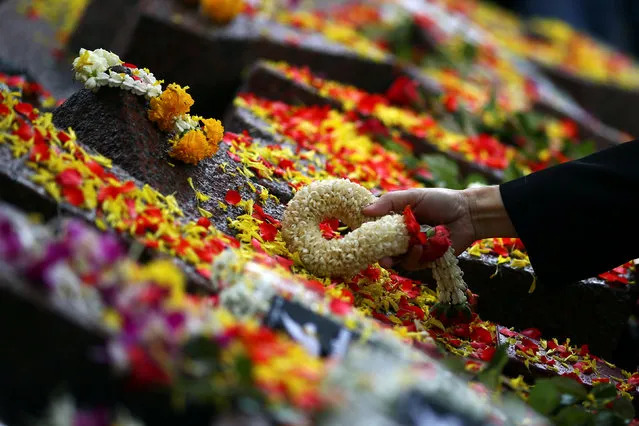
{"x": 179, "y": 45}
{"x": 589, "y": 128}
{"x": 516, "y": 365}
{"x": 106, "y": 25}
{"x": 29, "y": 45}
{"x": 115, "y": 124}
{"x": 45, "y": 347}
{"x": 41, "y": 348}
{"x": 608, "y": 103}
{"x": 269, "y": 83}
{"x": 588, "y": 312}
{"x": 17, "y": 188}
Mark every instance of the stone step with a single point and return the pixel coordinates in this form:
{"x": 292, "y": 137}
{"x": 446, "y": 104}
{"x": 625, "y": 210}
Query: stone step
{"x": 590, "y": 128}
{"x": 179, "y": 44}
{"x": 264, "y": 81}
{"x": 606, "y": 102}
{"x": 589, "y": 312}
{"x": 115, "y": 124}
{"x": 534, "y": 358}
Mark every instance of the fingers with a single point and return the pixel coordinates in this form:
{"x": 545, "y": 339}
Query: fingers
{"x": 412, "y": 260}
{"x": 392, "y": 202}
{"x": 386, "y": 262}
{"x": 409, "y": 262}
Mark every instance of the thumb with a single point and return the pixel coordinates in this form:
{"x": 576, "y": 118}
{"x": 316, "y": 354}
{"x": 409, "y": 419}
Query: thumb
{"x": 391, "y": 202}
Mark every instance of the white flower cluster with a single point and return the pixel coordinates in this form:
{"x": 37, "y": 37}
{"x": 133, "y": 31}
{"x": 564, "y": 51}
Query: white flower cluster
{"x": 93, "y": 69}
{"x": 247, "y": 288}
{"x": 370, "y": 238}
{"x": 451, "y": 287}
{"x": 185, "y": 123}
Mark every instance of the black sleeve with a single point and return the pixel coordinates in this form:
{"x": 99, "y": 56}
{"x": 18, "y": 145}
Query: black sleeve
{"x": 578, "y": 219}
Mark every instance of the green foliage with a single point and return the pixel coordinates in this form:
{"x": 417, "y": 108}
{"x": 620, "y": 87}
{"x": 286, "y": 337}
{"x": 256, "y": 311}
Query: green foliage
{"x": 512, "y": 172}
{"x": 400, "y": 38}
{"x": 567, "y": 402}
{"x": 446, "y": 172}
{"x": 491, "y": 375}
{"x": 579, "y": 150}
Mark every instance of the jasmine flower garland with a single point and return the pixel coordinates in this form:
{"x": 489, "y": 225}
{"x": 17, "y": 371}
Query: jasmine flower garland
{"x": 192, "y": 138}
{"x": 370, "y": 238}
{"x": 101, "y": 68}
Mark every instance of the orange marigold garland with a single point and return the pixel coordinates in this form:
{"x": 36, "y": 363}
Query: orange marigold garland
{"x": 173, "y": 102}
{"x": 221, "y": 11}
{"x": 193, "y": 138}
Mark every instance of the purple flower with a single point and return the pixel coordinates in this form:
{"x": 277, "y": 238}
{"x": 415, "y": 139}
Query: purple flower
{"x": 94, "y": 417}
{"x": 10, "y": 245}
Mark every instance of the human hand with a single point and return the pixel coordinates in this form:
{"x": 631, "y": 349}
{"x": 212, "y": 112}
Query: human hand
{"x": 469, "y": 215}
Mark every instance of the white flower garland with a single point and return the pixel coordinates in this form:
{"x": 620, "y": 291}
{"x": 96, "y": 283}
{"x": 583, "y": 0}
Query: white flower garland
{"x": 370, "y": 238}
{"x": 94, "y": 70}
{"x": 247, "y": 288}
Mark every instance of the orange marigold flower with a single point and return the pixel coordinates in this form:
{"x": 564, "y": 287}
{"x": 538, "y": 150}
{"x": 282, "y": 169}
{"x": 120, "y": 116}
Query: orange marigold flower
{"x": 214, "y": 131}
{"x": 173, "y": 102}
{"x": 192, "y": 147}
{"x": 221, "y": 11}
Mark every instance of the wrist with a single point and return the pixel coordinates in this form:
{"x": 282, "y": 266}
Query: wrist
{"x": 488, "y": 214}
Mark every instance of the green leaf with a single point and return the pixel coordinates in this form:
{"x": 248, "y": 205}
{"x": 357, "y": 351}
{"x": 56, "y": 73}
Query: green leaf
{"x": 544, "y": 397}
{"x": 475, "y": 178}
{"x": 202, "y": 348}
{"x": 575, "y": 151}
{"x": 469, "y": 52}
{"x": 570, "y": 387}
{"x": 465, "y": 121}
{"x": 455, "y": 364}
{"x": 492, "y": 103}
{"x": 491, "y": 374}
{"x": 244, "y": 368}
{"x": 569, "y": 416}
{"x": 623, "y": 407}
{"x": 607, "y": 418}
{"x": 512, "y": 172}
{"x": 604, "y": 391}
{"x": 445, "y": 170}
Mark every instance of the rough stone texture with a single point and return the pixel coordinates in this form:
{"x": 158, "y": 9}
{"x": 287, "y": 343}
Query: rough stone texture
{"x": 179, "y": 45}
{"x": 267, "y": 82}
{"x": 516, "y": 366}
{"x": 107, "y": 25}
{"x": 53, "y": 346}
{"x": 589, "y": 312}
{"x": 589, "y": 128}
{"x": 115, "y": 123}
{"x": 17, "y": 188}
{"x": 34, "y": 362}
{"x": 27, "y": 44}
{"x": 608, "y": 103}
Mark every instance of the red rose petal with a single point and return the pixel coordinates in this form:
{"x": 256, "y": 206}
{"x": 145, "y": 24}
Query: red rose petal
{"x": 482, "y": 335}
{"x": 73, "y": 195}
{"x": 69, "y": 178}
{"x": 204, "y": 222}
{"x": 532, "y": 333}
{"x": 339, "y": 307}
{"x": 268, "y": 232}
{"x": 233, "y": 197}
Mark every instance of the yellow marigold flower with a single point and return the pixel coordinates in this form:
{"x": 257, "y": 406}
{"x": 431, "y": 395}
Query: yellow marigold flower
{"x": 221, "y": 11}
{"x": 214, "y": 131}
{"x": 173, "y": 102}
{"x": 192, "y": 147}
